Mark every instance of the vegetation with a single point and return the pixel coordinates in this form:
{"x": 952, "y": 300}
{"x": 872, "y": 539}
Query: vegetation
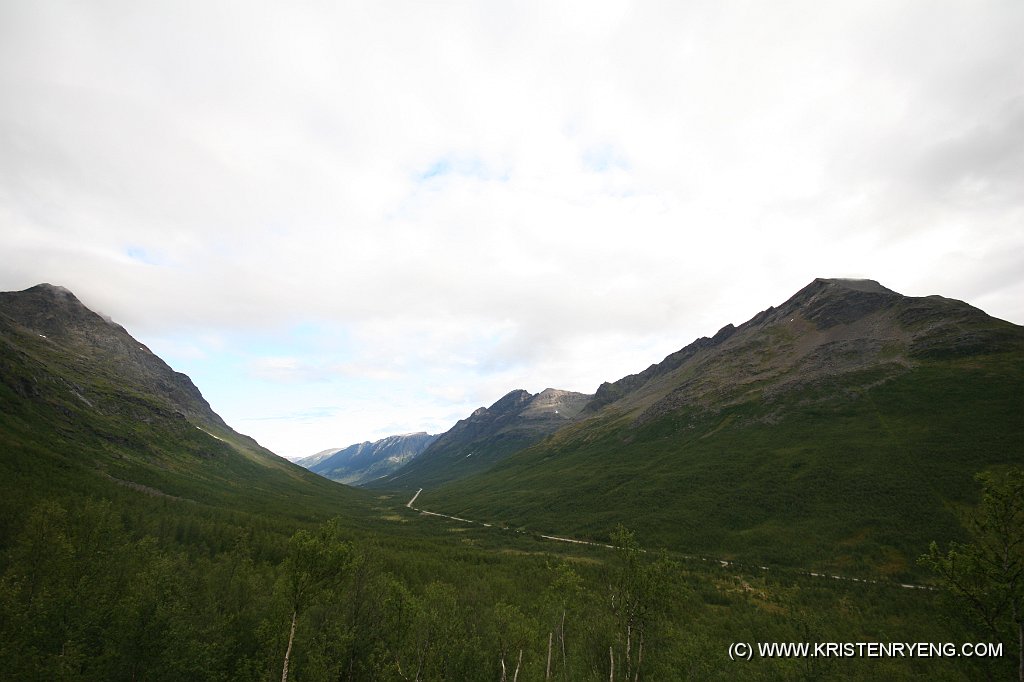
{"x": 828, "y": 477}
{"x": 83, "y": 597}
{"x": 142, "y": 539}
{"x": 986, "y": 576}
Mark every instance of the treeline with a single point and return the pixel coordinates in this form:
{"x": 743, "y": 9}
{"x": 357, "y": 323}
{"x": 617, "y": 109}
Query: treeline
{"x": 84, "y": 598}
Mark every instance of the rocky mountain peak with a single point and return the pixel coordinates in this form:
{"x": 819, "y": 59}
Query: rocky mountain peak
{"x": 831, "y": 302}
{"x": 865, "y": 285}
{"x": 554, "y": 401}
{"x": 511, "y": 402}
{"x": 52, "y": 290}
{"x": 53, "y": 315}
{"x": 49, "y": 310}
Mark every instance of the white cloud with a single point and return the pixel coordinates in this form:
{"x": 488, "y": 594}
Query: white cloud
{"x": 483, "y": 197}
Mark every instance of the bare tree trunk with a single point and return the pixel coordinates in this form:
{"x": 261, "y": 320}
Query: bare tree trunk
{"x": 561, "y": 637}
{"x": 288, "y": 651}
{"x": 423, "y": 657}
{"x": 629, "y": 636}
{"x": 503, "y": 675}
{"x": 611, "y": 665}
{"x": 547, "y": 671}
{"x": 515, "y": 677}
{"x": 639, "y": 658}
{"x": 399, "y": 664}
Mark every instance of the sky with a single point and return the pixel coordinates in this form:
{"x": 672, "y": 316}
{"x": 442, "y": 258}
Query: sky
{"x": 350, "y": 220}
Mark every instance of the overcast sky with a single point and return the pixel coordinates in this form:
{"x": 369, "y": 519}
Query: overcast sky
{"x": 347, "y": 220}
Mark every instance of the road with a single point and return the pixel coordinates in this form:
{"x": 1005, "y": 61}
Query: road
{"x": 409, "y": 503}
{"x": 724, "y": 563}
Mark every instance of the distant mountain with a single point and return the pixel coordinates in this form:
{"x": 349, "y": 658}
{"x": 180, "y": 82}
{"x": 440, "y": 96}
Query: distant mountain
{"x": 308, "y": 462}
{"x": 517, "y": 420}
{"x": 364, "y": 462}
{"x": 85, "y": 408}
{"x": 842, "y": 429}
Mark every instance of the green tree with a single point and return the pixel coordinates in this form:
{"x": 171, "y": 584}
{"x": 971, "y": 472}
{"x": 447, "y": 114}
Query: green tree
{"x": 35, "y": 590}
{"x": 987, "y": 574}
{"x": 315, "y": 561}
{"x": 563, "y": 596}
{"x": 433, "y": 628}
{"x": 640, "y": 591}
{"x": 513, "y": 631}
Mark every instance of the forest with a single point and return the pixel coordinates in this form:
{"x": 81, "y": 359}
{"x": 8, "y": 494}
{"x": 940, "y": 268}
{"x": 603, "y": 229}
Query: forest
{"x": 141, "y": 588}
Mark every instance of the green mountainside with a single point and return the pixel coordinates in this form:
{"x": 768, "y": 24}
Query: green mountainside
{"x": 87, "y": 408}
{"x": 517, "y": 420}
{"x": 841, "y": 430}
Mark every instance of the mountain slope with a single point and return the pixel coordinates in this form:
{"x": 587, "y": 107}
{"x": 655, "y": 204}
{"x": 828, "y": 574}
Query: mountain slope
{"x": 515, "y": 421}
{"x": 364, "y": 462}
{"x": 88, "y": 409}
{"x": 841, "y": 429}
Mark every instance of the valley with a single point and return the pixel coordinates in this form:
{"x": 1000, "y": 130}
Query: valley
{"x": 722, "y": 562}
{"x": 776, "y": 482}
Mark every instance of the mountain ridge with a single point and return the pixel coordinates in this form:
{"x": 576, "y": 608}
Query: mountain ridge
{"x": 849, "y": 420}
{"x": 361, "y": 463}
{"x": 56, "y": 314}
{"x": 834, "y": 308}
{"x": 514, "y": 421}
{"x": 86, "y": 404}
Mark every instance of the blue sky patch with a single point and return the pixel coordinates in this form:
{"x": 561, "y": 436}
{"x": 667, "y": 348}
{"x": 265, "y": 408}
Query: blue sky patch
{"x": 467, "y": 167}
{"x": 440, "y": 167}
{"x": 137, "y": 253}
{"x": 603, "y": 158}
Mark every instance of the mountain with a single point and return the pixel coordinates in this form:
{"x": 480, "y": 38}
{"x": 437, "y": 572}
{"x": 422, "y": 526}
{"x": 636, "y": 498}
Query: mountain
{"x": 517, "y": 420}
{"x": 142, "y": 538}
{"x": 51, "y": 322}
{"x": 364, "y": 462}
{"x": 309, "y": 462}
{"x": 88, "y": 409}
{"x": 841, "y": 429}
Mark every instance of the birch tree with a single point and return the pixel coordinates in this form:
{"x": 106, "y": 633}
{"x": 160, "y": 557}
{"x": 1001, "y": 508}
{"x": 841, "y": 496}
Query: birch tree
{"x": 315, "y": 561}
{"x": 513, "y": 631}
{"x": 986, "y": 575}
{"x": 564, "y": 594}
{"x": 638, "y": 594}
